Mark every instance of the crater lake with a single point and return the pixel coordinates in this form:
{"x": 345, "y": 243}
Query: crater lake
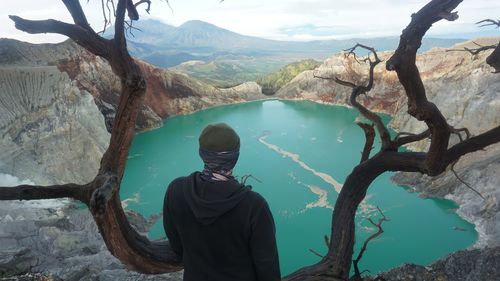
{"x": 298, "y": 154}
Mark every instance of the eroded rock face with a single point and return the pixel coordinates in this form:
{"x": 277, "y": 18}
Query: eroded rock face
{"x": 51, "y": 131}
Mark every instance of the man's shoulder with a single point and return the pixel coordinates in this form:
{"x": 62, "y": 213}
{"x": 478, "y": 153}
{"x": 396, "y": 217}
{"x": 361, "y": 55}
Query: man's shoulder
{"x": 179, "y": 182}
{"x": 182, "y": 180}
{"x": 255, "y": 199}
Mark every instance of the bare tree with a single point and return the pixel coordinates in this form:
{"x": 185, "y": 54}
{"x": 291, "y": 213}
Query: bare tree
{"x": 335, "y": 265}
{"x": 494, "y": 58}
{"x": 101, "y": 195}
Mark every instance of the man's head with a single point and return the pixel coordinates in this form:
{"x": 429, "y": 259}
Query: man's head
{"x": 219, "y": 137}
{"x": 219, "y": 150}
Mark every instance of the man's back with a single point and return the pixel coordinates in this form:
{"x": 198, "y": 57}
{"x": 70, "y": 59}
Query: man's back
{"x": 223, "y": 230}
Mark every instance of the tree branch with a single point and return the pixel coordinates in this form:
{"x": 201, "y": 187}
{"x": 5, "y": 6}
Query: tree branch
{"x": 403, "y": 62}
{"x": 357, "y": 273}
{"x": 405, "y": 138}
{"x": 488, "y": 22}
{"x": 142, "y": 2}
{"x": 132, "y": 11}
{"x": 76, "y": 11}
{"x": 104, "y": 193}
{"x": 472, "y": 144}
{"x": 87, "y": 39}
{"x": 34, "y": 192}
{"x": 494, "y": 59}
{"x": 464, "y": 182}
{"x": 358, "y": 90}
{"x": 474, "y": 51}
{"x": 370, "y": 137}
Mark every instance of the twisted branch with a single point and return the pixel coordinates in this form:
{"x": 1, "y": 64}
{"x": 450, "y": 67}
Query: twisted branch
{"x": 488, "y": 22}
{"x": 369, "y": 137}
{"x": 403, "y": 138}
{"x": 358, "y": 90}
{"x": 464, "y": 182}
{"x": 474, "y": 51}
{"x": 378, "y": 225}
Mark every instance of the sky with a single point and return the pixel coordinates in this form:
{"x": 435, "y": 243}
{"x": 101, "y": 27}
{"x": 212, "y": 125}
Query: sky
{"x": 273, "y": 19}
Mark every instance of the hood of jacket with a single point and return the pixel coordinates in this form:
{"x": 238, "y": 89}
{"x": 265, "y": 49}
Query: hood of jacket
{"x": 210, "y": 200}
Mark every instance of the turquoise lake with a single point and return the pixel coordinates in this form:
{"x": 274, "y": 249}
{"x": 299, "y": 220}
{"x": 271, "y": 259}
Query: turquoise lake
{"x": 300, "y": 152}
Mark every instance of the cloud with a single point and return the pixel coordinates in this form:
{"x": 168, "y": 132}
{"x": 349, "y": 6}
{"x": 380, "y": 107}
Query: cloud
{"x": 273, "y": 19}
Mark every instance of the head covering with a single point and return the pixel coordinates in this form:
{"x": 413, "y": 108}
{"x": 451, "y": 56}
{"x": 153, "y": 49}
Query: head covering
{"x": 219, "y": 150}
{"x": 219, "y": 137}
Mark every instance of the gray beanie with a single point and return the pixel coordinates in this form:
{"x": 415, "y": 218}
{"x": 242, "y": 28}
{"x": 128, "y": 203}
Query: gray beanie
{"x": 219, "y": 137}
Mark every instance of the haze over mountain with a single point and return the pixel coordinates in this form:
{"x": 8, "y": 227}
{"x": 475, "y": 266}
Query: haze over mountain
{"x": 165, "y": 45}
{"x": 225, "y": 58}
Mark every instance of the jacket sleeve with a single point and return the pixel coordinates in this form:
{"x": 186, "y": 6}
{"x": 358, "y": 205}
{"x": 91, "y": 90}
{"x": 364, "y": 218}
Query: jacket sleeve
{"x": 169, "y": 223}
{"x": 263, "y": 245}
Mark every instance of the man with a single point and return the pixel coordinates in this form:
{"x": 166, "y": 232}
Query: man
{"x": 220, "y": 228}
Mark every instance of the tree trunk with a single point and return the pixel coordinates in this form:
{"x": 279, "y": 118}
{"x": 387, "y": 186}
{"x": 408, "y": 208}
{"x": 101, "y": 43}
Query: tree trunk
{"x": 494, "y": 59}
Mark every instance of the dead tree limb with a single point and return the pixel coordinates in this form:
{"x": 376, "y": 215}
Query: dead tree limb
{"x": 452, "y": 168}
{"x": 474, "y": 51}
{"x": 380, "y": 230}
{"x": 101, "y": 195}
{"x": 403, "y": 138}
{"x": 335, "y": 265}
{"x": 494, "y": 58}
{"x": 369, "y": 139}
{"x": 489, "y": 22}
{"x": 358, "y": 90}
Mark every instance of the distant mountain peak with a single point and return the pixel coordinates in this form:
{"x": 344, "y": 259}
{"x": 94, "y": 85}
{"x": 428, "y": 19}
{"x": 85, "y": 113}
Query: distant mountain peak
{"x": 202, "y": 25}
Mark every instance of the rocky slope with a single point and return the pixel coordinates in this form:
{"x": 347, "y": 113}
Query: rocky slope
{"x": 60, "y": 240}
{"x": 51, "y": 131}
{"x": 48, "y": 98}
{"x": 470, "y": 265}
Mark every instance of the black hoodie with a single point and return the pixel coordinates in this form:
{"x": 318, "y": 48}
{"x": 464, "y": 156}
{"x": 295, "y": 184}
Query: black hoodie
{"x": 223, "y": 231}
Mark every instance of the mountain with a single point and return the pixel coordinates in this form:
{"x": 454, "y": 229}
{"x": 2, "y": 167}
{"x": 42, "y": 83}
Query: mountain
{"x": 205, "y": 38}
{"x": 164, "y": 45}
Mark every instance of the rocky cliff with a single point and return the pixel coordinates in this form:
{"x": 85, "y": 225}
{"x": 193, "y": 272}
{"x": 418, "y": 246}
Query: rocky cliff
{"x": 51, "y": 131}
{"x": 52, "y": 97}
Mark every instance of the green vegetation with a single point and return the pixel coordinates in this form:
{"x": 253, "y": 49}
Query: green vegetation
{"x": 268, "y": 72}
{"x": 229, "y": 73}
{"x": 271, "y": 83}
